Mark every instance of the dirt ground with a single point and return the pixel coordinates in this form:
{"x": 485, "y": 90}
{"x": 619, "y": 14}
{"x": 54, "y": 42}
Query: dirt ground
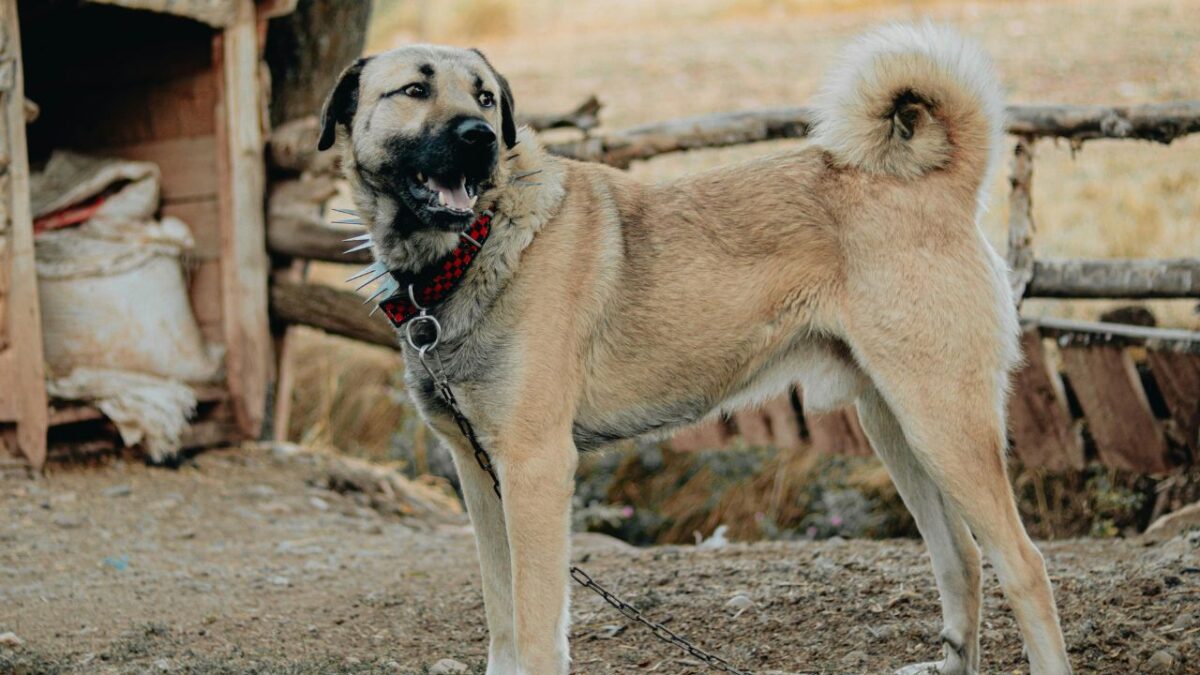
{"x": 239, "y": 562}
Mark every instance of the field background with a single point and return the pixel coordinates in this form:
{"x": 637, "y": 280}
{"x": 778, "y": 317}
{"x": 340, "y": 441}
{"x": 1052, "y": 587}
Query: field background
{"x": 650, "y": 61}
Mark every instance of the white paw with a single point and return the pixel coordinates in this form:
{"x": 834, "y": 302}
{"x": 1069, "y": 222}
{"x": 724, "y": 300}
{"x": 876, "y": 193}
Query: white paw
{"x": 930, "y": 668}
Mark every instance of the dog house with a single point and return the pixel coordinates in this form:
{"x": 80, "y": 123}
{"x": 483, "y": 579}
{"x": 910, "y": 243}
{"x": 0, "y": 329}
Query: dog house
{"x": 180, "y": 85}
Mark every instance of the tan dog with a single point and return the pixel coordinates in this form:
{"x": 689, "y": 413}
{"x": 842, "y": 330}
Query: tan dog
{"x": 603, "y": 308}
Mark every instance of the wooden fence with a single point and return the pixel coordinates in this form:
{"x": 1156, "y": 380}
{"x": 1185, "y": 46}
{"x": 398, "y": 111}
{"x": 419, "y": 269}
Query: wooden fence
{"x": 1131, "y": 393}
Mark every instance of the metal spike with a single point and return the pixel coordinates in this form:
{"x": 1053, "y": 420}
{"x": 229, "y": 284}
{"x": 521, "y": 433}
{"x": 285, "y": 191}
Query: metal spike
{"x": 365, "y": 244}
{"x": 373, "y": 267}
{"x": 354, "y": 221}
{"x": 378, "y": 292}
{"x": 361, "y": 237}
{"x": 525, "y": 183}
{"x": 370, "y": 281}
{"x": 527, "y": 174}
{"x": 349, "y": 212}
{"x": 390, "y": 286}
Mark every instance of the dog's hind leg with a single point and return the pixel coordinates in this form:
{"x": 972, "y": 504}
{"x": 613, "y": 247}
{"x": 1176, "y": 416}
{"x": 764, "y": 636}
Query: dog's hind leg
{"x": 949, "y": 403}
{"x": 491, "y": 541}
{"x": 956, "y": 564}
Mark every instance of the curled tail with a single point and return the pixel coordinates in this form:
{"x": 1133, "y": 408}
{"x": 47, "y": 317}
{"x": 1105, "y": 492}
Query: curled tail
{"x": 906, "y": 100}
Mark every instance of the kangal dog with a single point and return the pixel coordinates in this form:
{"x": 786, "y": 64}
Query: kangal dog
{"x": 601, "y": 307}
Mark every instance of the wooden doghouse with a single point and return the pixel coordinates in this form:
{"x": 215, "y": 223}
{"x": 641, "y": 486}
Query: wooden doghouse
{"x": 180, "y": 83}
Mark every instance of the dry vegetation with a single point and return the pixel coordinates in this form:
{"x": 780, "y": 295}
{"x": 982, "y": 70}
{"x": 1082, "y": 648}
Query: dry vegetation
{"x": 652, "y": 61}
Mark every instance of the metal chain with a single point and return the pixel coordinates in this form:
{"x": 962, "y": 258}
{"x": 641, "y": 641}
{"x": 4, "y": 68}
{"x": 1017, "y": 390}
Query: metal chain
{"x": 436, "y": 371}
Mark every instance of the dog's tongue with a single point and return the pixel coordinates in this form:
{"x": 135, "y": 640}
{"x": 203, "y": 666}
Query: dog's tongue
{"x": 455, "y": 197}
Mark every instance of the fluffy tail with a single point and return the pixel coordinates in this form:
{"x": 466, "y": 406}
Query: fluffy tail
{"x": 906, "y": 100}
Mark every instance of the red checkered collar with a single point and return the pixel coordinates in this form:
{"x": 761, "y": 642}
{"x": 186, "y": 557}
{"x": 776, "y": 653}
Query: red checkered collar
{"x": 435, "y": 283}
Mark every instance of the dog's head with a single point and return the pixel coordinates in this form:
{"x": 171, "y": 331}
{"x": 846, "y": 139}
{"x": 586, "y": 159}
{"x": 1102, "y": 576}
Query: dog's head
{"x": 425, "y": 127}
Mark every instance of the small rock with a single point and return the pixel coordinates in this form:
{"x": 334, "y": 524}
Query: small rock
{"x": 881, "y": 633}
{"x": 118, "y": 491}
{"x": 260, "y": 492}
{"x": 393, "y": 666}
{"x": 11, "y": 641}
{"x": 67, "y": 522}
{"x": 1160, "y": 661}
{"x": 164, "y": 665}
{"x": 280, "y": 581}
{"x": 318, "y": 503}
{"x": 854, "y": 658}
{"x": 739, "y": 603}
{"x": 447, "y": 667}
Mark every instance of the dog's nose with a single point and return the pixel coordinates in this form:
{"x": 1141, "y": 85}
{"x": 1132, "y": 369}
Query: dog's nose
{"x": 475, "y": 132}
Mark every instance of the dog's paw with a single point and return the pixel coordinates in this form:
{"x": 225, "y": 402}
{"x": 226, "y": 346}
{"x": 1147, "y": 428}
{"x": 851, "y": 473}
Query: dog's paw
{"x": 935, "y": 668}
{"x": 930, "y": 668}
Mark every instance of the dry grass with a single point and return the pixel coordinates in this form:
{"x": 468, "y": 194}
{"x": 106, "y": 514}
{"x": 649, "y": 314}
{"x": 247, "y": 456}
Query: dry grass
{"x": 649, "y": 61}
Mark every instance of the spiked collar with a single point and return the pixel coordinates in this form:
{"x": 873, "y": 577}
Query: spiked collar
{"x": 406, "y": 293}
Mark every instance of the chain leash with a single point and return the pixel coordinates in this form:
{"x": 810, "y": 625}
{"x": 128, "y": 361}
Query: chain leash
{"x": 432, "y": 362}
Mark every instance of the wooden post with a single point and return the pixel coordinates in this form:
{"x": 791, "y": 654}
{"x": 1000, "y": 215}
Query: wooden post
{"x": 244, "y": 263}
{"x": 21, "y": 364}
{"x": 1020, "y": 218}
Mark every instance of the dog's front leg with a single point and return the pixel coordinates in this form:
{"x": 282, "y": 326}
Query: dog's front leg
{"x": 491, "y": 542}
{"x": 537, "y": 481}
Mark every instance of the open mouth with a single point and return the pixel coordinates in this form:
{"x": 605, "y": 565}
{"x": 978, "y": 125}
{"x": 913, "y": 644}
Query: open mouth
{"x": 452, "y": 196}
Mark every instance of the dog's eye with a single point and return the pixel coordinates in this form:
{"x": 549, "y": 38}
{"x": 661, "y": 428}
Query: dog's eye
{"x": 415, "y": 90}
{"x": 486, "y": 99}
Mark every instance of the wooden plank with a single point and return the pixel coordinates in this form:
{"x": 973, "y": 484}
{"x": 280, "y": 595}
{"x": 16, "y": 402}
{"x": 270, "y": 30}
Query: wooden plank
{"x": 4, "y": 282}
{"x": 10, "y": 403}
{"x": 188, "y": 165}
{"x": 785, "y": 425}
{"x": 245, "y": 264}
{"x": 24, "y": 318}
{"x": 1178, "y": 379}
{"x": 1020, "y": 218}
{"x": 204, "y": 288}
{"x": 1115, "y": 408}
{"x": 837, "y": 432}
{"x": 752, "y": 426}
{"x": 331, "y": 310}
{"x": 709, "y": 435}
{"x": 203, "y": 218}
{"x": 1040, "y": 427}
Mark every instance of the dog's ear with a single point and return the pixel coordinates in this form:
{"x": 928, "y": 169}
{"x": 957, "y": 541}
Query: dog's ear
{"x": 341, "y": 104}
{"x": 508, "y": 111}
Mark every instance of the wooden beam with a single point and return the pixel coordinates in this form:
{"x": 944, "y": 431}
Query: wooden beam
{"x": 1170, "y": 278}
{"x": 302, "y": 235}
{"x": 1160, "y": 122}
{"x": 25, "y": 373}
{"x": 1071, "y": 332}
{"x": 244, "y": 261}
{"x": 1020, "y": 218}
{"x": 331, "y": 310}
{"x": 1115, "y": 408}
{"x": 1178, "y": 378}
{"x": 1040, "y": 427}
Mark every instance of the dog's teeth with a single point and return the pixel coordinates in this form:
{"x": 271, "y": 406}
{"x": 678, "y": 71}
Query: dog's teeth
{"x": 441, "y": 198}
{"x": 420, "y": 177}
{"x": 473, "y": 200}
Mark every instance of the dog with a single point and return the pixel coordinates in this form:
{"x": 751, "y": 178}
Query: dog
{"x": 603, "y": 308}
